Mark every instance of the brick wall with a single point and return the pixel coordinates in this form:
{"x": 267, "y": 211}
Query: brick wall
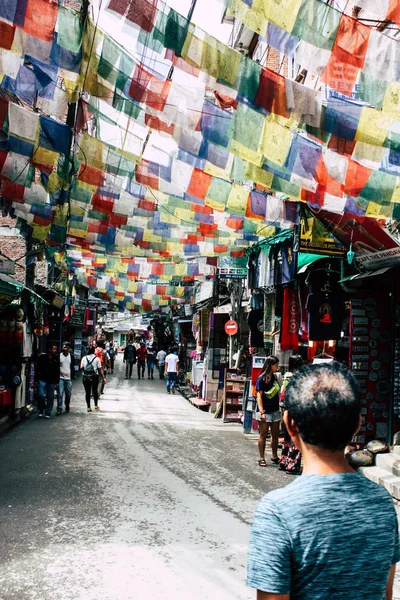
{"x": 13, "y": 247}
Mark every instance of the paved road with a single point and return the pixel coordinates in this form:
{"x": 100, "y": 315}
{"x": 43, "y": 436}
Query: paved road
{"x": 147, "y": 499}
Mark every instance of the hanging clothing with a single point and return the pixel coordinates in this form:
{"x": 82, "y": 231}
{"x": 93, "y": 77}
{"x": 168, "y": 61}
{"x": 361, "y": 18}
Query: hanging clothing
{"x": 290, "y": 320}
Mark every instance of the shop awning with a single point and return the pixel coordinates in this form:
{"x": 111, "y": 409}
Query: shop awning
{"x": 304, "y": 259}
{"x": 9, "y": 288}
{"x": 367, "y": 275}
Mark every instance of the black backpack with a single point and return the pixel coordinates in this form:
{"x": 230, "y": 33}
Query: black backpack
{"x": 88, "y": 370}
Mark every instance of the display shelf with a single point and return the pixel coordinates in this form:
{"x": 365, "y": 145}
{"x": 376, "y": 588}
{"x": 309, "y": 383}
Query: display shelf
{"x": 233, "y": 411}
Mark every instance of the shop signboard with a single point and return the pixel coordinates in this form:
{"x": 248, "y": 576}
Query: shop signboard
{"x": 316, "y": 239}
{"x": 232, "y": 268}
{"x": 77, "y": 319}
{"x": 379, "y": 260}
{"x": 232, "y": 272}
{"x": 205, "y": 291}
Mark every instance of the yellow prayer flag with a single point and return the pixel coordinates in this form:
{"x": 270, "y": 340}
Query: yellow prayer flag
{"x": 79, "y": 233}
{"x": 219, "y": 206}
{"x": 149, "y": 236}
{"x": 60, "y": 216}
{"x": 92, "y": 152}
{"x": 174, "y": 248}
{"x": 378, "y": 211}
{"x": 391, "y": 101}
{"x": 44, "y": 156}
{"x": 258, "y": 175}
{"x": 253, "y": 17}
{"x": 252, "y": 156}
{"x": 40, "y": 232}
{"x": 55, "y": 183}
{"x": 237, "y": 200}
{"x": 181, "y": 269}
{"x": 396, "y": 194}
{"x": 373, "y": 126}
{"x": 192, "y": 50}
{"x": 183, "y": 213}
{"x": 276, "y": 142}
{"x": 282, "y": 13}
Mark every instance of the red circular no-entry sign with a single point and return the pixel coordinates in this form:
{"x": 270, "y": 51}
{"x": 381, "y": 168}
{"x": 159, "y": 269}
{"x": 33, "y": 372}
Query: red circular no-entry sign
{"x": 231, "y": 327}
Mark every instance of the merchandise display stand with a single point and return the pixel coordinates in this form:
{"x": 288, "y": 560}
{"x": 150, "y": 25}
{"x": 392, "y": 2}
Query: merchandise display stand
{"x": 234, "y": 387}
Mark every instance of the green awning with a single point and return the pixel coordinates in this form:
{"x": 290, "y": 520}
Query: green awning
{"x": 304, "y": 259}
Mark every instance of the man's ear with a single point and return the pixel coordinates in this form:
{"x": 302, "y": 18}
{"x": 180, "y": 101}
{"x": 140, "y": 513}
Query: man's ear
{"x": 290, "y": 425}
{"x": 358, "y": 425}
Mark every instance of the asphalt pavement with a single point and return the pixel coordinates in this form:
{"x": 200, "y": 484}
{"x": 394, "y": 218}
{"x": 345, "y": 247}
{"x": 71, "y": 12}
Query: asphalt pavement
{"x": 148, "y": 498}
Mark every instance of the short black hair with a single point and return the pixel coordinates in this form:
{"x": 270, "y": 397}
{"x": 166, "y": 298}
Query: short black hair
{"x": 324, "y": 402}
{"x": 295, "y": 362}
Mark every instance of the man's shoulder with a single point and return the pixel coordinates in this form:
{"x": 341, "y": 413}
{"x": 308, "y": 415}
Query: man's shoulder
{"x": 332, "y": 490}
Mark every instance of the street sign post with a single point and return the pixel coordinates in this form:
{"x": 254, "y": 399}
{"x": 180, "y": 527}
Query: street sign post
{"x": 231, "y": 327}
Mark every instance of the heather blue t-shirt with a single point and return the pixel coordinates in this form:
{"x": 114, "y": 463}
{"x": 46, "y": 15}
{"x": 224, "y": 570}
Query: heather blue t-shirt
{"x": 330, "y": 537}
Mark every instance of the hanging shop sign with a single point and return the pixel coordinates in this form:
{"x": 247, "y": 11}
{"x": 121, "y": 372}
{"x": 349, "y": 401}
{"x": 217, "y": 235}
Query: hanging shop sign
{"x": 378, "y": 260}
{"x": 316, "y": 239}
{"x": 77, "y": 319}
{"x": 232, "y": 268}
{"x": 7, "y": 267}
{"x": 205, "y": 291}
{"x": 232, "y": 273}
{"x": 231, "y": 327}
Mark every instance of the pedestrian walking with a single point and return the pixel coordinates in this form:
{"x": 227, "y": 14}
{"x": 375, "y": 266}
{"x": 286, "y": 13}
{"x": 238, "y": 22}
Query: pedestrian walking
{"x": 171, "y": 370}
{"x": 67, "y": 374}
{"x": 160, "y": 358}
{"x": 151, "y": 357}
{"x": 111, "y": 354}
{"x": 48, "y": 375}
{"x": 332, "y": 533}
{"x": 92, "y": 369}
{"x": 104, "y": 357}
{"x": 141, "y": 354}
{"x": 267, "y": 411}
{"x": 129, "y": 359}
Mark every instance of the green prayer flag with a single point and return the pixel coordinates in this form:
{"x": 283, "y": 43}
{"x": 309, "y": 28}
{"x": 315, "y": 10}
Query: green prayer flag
{"x": 176, "y": 30}
{"x": 69, "y": 27}
{"x": 317, "y": 23}
{"x": 246, "y": 127}
{"x": 248, "y": 78}
{"x": 371, "y": 90}
{"x": 108, "y": 60}
{"x": 379, "y": 188}
{"x": 219, "y": 190}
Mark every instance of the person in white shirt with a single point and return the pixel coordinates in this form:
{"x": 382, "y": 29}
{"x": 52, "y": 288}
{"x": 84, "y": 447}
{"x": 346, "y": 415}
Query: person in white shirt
{"x": 91, "y": 365}
{"x": 160, "y": 358}
{"x": 67, "y": 374}
{"x": 171, "y": 370}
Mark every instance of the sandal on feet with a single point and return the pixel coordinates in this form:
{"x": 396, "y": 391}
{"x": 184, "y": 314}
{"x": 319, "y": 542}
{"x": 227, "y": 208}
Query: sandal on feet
{"x": 262, "y": 463}
{"x": 275, "y": 460}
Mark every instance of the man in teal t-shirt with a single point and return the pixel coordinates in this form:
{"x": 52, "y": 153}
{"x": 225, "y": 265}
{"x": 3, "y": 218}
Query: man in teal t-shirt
{"x": 332, "y": 534}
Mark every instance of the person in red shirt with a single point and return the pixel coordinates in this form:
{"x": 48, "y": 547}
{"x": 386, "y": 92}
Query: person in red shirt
{"x": 141, "y": 356}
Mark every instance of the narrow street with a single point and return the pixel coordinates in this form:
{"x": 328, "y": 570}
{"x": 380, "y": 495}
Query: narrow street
{"x": 148, "y": 498}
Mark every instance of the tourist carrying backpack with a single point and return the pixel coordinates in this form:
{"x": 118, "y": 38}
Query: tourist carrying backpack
{"x": 111, "y": 354}
{"x": 91, "y": 366}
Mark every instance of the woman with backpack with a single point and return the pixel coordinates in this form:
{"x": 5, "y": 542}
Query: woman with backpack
{"x": 267, "y": 411}
{"x": 92, "y": 368}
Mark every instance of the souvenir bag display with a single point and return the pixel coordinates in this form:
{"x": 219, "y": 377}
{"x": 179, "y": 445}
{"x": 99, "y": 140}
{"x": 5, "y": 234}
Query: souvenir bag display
{"x": 293, "y": 464}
